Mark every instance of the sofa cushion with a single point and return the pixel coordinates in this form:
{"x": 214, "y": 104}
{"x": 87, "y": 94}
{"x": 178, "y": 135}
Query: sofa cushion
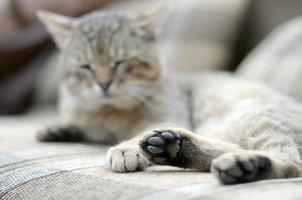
{"x": 33, "y": 170}
{"x": 196, "y": 34}
{"x": 277, "y": 60}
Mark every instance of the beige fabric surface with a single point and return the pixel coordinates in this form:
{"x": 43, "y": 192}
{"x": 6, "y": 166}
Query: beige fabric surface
{"x": 32, "y": 170}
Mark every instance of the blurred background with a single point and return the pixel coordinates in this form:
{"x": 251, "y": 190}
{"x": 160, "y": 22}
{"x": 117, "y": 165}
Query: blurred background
{"x": 195, "y": 34}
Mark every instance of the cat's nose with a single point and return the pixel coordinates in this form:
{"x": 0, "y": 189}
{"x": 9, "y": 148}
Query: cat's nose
{"x": 105, "y": 84}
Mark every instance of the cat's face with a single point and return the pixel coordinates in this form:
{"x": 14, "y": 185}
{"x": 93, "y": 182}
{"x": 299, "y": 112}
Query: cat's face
{"x": 108, "y": 58}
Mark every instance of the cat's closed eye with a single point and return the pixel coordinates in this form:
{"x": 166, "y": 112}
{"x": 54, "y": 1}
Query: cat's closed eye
{"x": 137, "y": 69}
{"x": 83, "y": 72}
{"x": 130, "y": 65}
{"x": 119, "y": 63}
{"x": 135, "y": 64}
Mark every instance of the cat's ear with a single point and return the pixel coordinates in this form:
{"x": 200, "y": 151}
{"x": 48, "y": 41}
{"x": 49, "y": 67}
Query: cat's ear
{"x": 148, "y": 19}
{"x": 59, "y": 26}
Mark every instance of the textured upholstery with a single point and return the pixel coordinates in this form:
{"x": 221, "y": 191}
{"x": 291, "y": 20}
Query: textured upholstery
{"x": 32, "y": 170}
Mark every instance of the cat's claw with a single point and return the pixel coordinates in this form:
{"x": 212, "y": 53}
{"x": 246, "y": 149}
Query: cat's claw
{"x": 125, "y": 159}
{"x": 240, "y": 167}
{"x": 162, "y": 147}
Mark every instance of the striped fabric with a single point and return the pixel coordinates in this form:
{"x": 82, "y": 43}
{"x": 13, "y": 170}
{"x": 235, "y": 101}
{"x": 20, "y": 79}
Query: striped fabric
{"x": 32, "y": 170}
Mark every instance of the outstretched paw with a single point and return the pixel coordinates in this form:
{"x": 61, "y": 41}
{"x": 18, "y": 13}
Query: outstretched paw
{"x": 125, "y": 159}
{"x": 163, "y": 147}
{"x": 240, "y": 167}
{"x": 60, "y": 134}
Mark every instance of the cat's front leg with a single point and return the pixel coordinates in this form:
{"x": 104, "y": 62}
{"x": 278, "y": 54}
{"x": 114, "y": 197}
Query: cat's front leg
{"x": 126, "y": 157}
{"x": 60, "y": 133}
{"x": 182, "y": 148}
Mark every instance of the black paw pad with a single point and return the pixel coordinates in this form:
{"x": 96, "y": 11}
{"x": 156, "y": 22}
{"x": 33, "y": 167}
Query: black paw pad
{"x": 240, "y": 169}
{"x": 163, "y": 147}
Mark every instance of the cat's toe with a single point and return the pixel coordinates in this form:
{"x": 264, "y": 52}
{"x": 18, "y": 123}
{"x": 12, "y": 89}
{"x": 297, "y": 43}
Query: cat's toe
{"x": 240, "y": 167}
{"x": 125, "y": 159}
{"x": 162, "y": 147}
{"x": 59, "y": 134}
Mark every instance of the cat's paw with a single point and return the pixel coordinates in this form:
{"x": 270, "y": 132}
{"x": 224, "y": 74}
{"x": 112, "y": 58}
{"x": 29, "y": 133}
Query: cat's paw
{"x": 125, "y": 159}
{"x": 60, "y": 134}
{"x": 163, "y": 147}
{"x": 234, "y": 168}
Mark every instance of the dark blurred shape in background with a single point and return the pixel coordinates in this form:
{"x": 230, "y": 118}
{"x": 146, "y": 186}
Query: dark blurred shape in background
{"x": 212, "y": 34}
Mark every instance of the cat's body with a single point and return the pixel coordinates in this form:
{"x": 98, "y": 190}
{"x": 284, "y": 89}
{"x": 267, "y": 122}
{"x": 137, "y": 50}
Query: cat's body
{"x": 243, "y": 131}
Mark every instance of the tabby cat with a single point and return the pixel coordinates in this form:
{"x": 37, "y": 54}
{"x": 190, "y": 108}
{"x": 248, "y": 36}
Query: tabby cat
{"x": 114, "y": 89}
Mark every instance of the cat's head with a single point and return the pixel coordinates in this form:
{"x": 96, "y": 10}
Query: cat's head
{"x": 109, "y": 58}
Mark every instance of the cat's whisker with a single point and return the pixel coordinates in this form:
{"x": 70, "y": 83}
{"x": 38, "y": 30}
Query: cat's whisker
{"x": 139, "y": 83}
{"x": 140, "y": 98}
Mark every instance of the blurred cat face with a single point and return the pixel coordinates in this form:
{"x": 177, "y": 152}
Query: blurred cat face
{"x": 123, "y": 82}
{"x": 108, "y": 61}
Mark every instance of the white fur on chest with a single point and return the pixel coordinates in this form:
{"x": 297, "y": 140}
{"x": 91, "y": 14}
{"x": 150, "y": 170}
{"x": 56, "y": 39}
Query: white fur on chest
{"x": 168, "y": 105}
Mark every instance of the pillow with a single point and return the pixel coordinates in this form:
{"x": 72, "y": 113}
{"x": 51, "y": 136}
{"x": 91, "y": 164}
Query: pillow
{"x": 202, "y": 34}
{"x": 196, "y": 34}
{"x": 277, "y": 60}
